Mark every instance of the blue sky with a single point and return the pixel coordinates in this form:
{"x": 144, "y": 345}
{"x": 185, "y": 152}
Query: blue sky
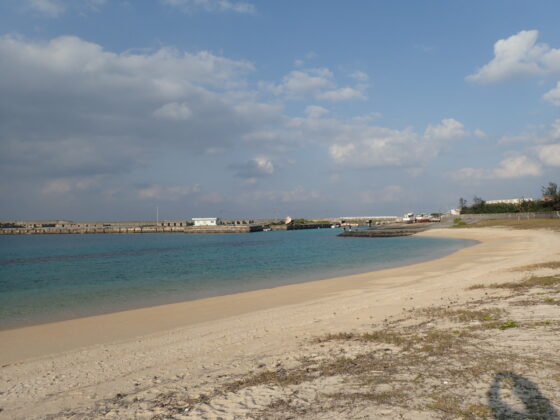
{"x": 111, "y": 108}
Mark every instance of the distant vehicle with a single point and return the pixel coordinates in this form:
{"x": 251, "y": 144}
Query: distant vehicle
{"x": 408, "y": 218}
{"x": 422, "y": 218}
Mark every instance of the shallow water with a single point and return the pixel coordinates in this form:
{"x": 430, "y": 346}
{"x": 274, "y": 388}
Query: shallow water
{"x": 53, "y": 277}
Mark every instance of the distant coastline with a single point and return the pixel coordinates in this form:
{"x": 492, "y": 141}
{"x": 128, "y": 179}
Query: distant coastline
{"x": 44, "y": 227}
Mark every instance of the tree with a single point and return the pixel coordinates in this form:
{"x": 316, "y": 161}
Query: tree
{"x": 462, "y": 203}
{"x": 478, "y": 202}
{"x": 550, "y": 192}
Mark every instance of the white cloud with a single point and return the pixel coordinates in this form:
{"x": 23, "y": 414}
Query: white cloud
{"x": 535, "y": 134}
{"x": 342, "y": 94}
{"x": 174, "y": 111}
{"x": 517, "y": 167}
{"x": 480, "y": 134}
{"x": 364, "y": 119}
{"x": 56, "y": 8}
{"x": 258, "y": 167}
{"x": 298, "y": 83}
{"x": 342, "y": 153}
{"x": 448, "y": 129}
{"x": 318, "y": 83}
{"x": 519, "y": 138}
{"x": 264, "y": 136}
{"x": 298, "y": 63}
{"x": 258, "y": 111}
{"x": 357, "y": 144}
{"x": 190, "y": 6}
{"x": 73, "y": 110}
{"x": 360, "y": 76}
{"x": 167, "y": 71}
{"x": 549, "y": 154}
{"x": 555, "y": 130}
{"x": 49, "y": 8}
{"x": 512, "y": 167}
{"x": 366, "y": 147}
{"x": 167, "y": 193}
{"x": 315, "y": 111}
{"x": 553, "y": 96}
{"x": 471, "y": 174}
{"x": 45, "y": 83}
{"x": 61, "y": 186}
{"x": 518, "y": 55}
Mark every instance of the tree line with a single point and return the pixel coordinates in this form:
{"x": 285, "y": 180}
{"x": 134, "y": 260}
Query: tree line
{"x": 550, "y": 201}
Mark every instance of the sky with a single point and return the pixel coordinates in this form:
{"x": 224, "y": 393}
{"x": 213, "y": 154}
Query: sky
{"x": 110, "y": 109}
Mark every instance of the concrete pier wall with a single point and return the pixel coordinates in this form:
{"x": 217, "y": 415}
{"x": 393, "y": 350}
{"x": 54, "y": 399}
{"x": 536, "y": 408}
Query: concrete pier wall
{"x": 301, "y": 226}
{"x": 137, "y": 229}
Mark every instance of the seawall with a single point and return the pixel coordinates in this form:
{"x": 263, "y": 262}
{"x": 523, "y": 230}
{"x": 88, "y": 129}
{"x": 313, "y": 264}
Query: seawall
{"x": 136, "y": 229}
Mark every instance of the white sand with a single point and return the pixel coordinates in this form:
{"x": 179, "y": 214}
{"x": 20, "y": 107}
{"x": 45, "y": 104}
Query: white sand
{"x": 72, "y": 365}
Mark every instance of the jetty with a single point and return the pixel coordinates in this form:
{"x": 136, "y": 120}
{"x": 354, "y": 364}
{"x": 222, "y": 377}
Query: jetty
{"x": 195, "y": 226}
{"x": 388, "y": 231}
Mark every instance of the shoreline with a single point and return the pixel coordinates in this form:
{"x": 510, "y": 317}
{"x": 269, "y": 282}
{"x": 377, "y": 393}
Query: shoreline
{"x": 74, "y": 333}
{"x": 271, "y": 284}
{"x": 43, "y": 366}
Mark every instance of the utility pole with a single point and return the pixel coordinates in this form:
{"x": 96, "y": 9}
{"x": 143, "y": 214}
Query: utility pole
{"x": 157, "y": 215}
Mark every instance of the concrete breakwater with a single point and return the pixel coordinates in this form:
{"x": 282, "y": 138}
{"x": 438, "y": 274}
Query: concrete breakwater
{"x": 301, "y": 226}
{"x": 135, "y": 229}
{"x": 144, "y": 227}
{"x": 388, "y": 231}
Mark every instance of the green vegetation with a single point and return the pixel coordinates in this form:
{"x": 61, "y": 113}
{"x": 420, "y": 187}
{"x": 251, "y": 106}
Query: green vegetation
{"x": 539, "y": 266}
{"x": 308, "y": 222}
{"x": 509, "y": 324}
{"x": 458, "y": 222}
{"x": 524, "y": 206}
{"x": 551, "y": 301}
{"x": 300, "y": 222}
{"x": 550, "y": 202}
{"x": 462, "y": 315}
{"x": 10, "y": 226}
{"x": 534, "y": 281}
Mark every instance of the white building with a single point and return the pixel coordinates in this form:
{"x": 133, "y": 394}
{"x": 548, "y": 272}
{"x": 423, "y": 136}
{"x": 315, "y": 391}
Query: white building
{"x": 206, "y": 221}
{"x": 509, "y": 201}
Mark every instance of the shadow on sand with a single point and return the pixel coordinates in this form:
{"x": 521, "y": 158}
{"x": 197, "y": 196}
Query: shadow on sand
{"x": 509, "y": 388}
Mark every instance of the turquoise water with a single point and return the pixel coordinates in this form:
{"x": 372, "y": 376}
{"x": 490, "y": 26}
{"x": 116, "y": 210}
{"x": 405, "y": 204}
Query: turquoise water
{"x": 53, "y": 277}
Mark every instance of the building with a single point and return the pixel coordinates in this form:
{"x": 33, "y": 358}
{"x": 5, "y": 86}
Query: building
{"x": 206, "y": 221}
{"x": 509, "y": 201}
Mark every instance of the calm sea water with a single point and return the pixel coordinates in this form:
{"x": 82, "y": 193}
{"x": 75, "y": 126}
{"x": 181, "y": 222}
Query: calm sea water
{"x": 53, "y": 277}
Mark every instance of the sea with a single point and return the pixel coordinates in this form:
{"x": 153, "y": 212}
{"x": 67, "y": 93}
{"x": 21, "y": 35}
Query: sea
{"x": 45, "y": 278}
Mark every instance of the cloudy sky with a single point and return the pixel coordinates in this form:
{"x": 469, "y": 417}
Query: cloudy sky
{"x": 234, "y": 108}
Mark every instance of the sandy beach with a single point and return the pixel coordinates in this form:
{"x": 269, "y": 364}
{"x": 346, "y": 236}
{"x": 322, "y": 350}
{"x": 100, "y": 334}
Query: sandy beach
{"x": 180, "y": 360}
